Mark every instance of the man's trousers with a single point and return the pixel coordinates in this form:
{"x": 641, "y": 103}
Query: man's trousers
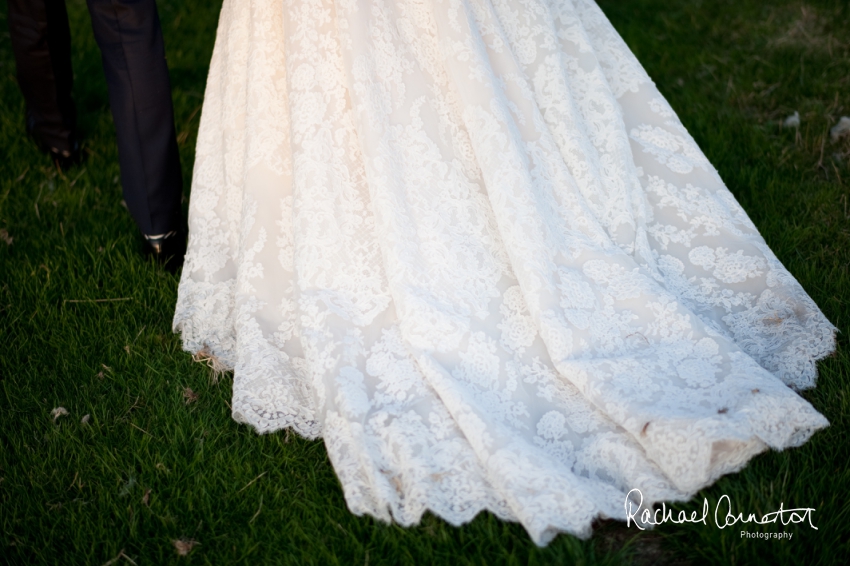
{"x": 129, "y": 35}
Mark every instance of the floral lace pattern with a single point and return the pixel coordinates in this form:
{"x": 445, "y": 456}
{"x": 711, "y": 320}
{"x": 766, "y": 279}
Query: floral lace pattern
{"x": 470, "y": 246}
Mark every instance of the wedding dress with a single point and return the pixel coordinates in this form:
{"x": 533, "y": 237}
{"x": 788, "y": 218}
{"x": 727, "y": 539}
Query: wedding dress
{"x": 470, "y": 245}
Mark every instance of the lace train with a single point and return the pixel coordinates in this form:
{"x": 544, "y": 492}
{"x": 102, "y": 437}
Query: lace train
{"x": 471, "y": 246}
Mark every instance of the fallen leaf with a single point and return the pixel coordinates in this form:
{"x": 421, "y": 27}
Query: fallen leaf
{"x": 127, "y": 348}
{"x": 85, "y": 419}
{"x": 184, "y": 546}
{"x": 59, "y": 412}
{"x": 792, "y": 121}
{"x": 128, "y": 487}
{"x": 4, "y": 235}
{"x": 189, "y": 396}
{"x": 840, "y": 129}
{"x": 146, "y": 498}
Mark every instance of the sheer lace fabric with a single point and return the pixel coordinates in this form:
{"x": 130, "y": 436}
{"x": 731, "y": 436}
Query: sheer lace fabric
{"x": 469, "y": 245}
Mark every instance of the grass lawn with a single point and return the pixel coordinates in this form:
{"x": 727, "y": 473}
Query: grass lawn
{"x": 158, "y": 463}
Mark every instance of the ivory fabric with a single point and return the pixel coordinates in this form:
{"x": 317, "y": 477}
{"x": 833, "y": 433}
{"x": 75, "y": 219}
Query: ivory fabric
{"x": 470, "y": 245}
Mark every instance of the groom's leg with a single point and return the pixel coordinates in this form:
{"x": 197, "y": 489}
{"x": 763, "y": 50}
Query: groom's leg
{"x": 41, "y": 42}
{"x": 130, "y": 39}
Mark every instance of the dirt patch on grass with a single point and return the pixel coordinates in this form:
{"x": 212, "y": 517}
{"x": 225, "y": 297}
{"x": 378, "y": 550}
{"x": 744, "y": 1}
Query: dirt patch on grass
{"x": 803, "y": 26}
{"x": 645, "y": 548}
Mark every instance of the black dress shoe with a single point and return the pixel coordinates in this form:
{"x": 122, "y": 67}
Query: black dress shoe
{"x": 64, "y": 159}
{"x": 167, "y": 249}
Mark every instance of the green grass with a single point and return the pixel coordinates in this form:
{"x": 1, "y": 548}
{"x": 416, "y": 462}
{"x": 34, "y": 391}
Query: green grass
{"x": 72, "y": 493}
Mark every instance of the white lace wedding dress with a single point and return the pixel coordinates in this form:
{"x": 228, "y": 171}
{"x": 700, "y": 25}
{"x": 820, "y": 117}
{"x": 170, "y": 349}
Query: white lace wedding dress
{"x": 469, "y": 245}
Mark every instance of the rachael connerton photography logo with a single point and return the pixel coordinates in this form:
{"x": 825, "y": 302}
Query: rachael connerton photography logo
{"x": 724, "y": 516}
